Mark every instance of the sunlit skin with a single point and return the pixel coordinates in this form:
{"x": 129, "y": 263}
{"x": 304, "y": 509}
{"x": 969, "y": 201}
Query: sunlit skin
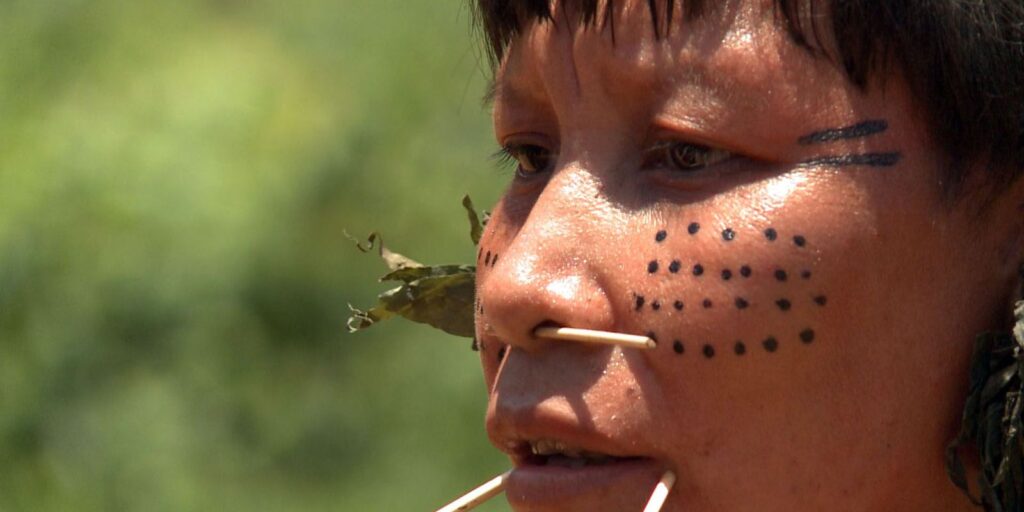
{"x": 854, "y": 419}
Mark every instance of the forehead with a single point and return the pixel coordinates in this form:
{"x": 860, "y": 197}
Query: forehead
{"x": 734, "y": 72}
{"x": 631, "y": 46}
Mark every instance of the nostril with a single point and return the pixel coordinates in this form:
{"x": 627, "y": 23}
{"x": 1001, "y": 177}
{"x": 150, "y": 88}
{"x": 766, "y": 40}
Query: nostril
{"x": 542, "y": 325}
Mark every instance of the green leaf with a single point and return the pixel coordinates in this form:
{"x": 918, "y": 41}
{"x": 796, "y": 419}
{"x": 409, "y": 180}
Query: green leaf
{"x": 476, "y": 227}
{"x": 444, "y": 299}
{"x": 407, "y": 275}
{"x": 393, "y": 260}
{"x": 442, "y": 296}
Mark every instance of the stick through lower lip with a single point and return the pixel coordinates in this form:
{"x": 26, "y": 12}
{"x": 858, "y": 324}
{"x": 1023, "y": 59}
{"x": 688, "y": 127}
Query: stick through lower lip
{"x": 474, "y": 498}
{"x": 660, "y": 493}
{"x": 589, "y": 336}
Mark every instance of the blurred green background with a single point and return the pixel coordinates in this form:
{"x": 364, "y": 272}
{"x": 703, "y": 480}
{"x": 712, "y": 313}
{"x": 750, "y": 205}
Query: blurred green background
{"x": 174, "y": 281}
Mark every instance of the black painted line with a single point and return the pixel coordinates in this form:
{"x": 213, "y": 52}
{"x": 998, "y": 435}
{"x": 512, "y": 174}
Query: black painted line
{"x": 866, "y": 160}
{"x": 859, "y": 130}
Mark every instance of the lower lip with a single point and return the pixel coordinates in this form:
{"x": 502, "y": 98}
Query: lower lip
{"x": 620, "y": 485}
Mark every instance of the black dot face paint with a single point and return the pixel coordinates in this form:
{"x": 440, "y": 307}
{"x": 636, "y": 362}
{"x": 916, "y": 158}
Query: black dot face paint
{"x": 740, "y": 298}
{"x": 490, "y": 258}
{"x": 807, "y": 336}
{"x": 739, "y": 348}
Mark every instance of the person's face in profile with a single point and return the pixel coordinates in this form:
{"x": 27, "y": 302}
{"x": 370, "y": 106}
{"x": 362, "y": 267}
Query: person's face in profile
{"x": 780, "y": 232}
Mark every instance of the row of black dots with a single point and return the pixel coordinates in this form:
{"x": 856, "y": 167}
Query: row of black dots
{"x": 729, "y": 234}
{"x": 783, "y": 304}
{"x": 727, "y": 274}
{"x": 640, "y": 300}
{"x": 490, "y": 259}
{"x": 769, "y": 344}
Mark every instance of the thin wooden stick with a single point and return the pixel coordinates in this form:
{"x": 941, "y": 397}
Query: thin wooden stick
{"x": 474, "y": 498}
{"x": 589, "y": 336}
{"x": 661, "y": 492}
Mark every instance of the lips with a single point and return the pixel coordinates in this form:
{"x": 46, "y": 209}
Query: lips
{"x": 575, "y": 443}
{"x": 574, "y": 473}
{"x": 563, "y": 483}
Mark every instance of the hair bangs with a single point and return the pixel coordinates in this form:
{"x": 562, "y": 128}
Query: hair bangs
{"x": 964, "y": 61}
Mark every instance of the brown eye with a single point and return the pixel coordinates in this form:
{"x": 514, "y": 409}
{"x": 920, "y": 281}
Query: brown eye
{"x": 684, "y": 156}
{"x": 532, "y": 159}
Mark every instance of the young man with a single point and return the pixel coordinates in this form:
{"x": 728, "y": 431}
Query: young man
{"x": 812, "y": 207}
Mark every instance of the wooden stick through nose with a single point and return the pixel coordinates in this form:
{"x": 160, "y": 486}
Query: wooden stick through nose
{"x": 661, "y": 492}
{"x": 476, "y": 497}
{"x": 599, "y": 337}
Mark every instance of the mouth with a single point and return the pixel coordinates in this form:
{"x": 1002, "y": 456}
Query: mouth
{"x": 553, "y": 474}
{"x": 556, "y": 453}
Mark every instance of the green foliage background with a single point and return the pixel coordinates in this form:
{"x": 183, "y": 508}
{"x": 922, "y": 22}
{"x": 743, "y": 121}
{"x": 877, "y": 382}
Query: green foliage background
{"x": 174, "y": 280}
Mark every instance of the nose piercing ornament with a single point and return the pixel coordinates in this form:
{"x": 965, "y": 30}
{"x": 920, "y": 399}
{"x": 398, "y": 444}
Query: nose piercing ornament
{"x": 597, "y": 337}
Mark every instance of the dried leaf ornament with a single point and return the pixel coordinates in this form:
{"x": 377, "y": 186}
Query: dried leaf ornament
{"x": 992, "y": 421}
{"x": 441, "y": 296}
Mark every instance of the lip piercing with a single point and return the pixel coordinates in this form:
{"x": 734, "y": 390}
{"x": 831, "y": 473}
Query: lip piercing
{"x": 496, "y": 485}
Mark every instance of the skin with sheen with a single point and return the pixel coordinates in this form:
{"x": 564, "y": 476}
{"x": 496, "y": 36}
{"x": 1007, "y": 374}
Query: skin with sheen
{"x": 813, "y": 293}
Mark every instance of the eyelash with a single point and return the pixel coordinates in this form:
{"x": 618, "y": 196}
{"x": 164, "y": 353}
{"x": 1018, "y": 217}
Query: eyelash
{"x": 669, "y": 153}
{"x": 662, "y": 155}
{"x": 512, "y": 155}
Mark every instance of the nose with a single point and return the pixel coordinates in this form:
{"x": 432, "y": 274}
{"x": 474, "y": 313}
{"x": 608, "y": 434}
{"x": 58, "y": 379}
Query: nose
{"x": 554, "y": 266}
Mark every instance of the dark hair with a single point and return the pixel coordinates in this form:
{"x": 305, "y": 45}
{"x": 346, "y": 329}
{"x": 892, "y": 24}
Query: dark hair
{"x": 963, "y": 59}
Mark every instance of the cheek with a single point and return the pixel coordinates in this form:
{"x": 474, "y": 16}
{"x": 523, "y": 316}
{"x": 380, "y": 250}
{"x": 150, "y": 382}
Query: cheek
{"x": 720, "y": 292}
